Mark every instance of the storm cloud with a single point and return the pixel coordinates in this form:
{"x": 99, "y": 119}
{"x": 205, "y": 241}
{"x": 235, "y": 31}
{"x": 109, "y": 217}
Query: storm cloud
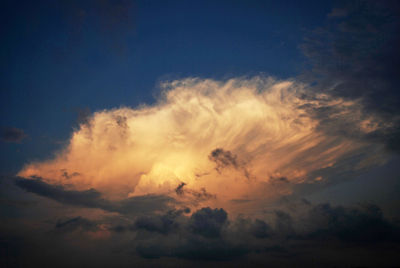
{"x": 355, "y": 56}
{"x": 239, "y": 134}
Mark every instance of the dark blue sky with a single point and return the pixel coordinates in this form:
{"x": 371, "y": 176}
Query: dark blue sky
{"x": 62, "y": 57}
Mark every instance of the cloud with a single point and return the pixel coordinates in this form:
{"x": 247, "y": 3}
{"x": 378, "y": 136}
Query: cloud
{"x": 93, "y": 199}
{"x": 283, "y": 223}
{"x": 88, "y": 198}
{"x": 355, "y": 57}
{"x": 365, "y": 225}
{"x": 208, "y": 222}
{"x": 75, "y": 223}
{"x": 291, "y": 234}
{"x": 179, "y": 189}
{"x": 192, "y": 196}
{"x": 208, "y": 234}
{"x": 12, "y": 134}
{"x": 67, "y": 175}
{"x": 252, "y": 129}
{"x": 197, "y": 237}
{"x": 163, "y": 224}
{"x": 223, "y": 158}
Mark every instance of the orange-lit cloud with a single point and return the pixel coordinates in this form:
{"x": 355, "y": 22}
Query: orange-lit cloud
{"x": 234, "y": 140}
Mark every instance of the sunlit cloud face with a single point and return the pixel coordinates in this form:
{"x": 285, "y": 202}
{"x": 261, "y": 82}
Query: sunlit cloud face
{"x": 214, "y": 142}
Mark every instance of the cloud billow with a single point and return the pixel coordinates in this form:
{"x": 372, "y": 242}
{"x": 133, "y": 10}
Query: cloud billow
{"x": 210, "y": 142}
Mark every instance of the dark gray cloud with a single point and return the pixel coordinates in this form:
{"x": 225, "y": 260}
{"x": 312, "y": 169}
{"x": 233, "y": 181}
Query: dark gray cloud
{"x": 72, "y": 224}
{"x": 289, "y": 236}
{"x": 251, "y": 228}
{"x": 355, "y": 56}
{"x": 208, "y": 235}
{"x": 225, "y": 159}
{"x": 198, "y": 237}
{"x": 278, "y": 180}
{"x": 89, "y": 198}
{"x": 93, "y": 199}
{"x": 193, "y": 196}
{"x": 283, "y": 224}
{"x": 208, "y": 222}
{"x": 12, "y": 134}
{"x": 163, "y": 224}
{"x": 149, "y": 230}
{"x": 67, "y": 174}
{"x": 179, "y": 188}
{"x": 364, "y": 225}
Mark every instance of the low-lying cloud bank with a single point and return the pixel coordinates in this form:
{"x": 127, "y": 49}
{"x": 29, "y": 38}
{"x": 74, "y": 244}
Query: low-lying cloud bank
{"x": 208, "y": 234}
{"x": 151, "y": 231}
{"x": 217, "y": 143}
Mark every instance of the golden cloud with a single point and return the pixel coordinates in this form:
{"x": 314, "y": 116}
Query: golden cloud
{"x": 230, "y": 140}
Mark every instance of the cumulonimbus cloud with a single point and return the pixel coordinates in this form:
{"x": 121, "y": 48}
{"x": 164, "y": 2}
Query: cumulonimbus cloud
{"x": 230, "y": 138}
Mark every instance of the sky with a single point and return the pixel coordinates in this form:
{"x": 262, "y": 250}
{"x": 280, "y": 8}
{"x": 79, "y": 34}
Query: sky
{"x": 193, "y": 133}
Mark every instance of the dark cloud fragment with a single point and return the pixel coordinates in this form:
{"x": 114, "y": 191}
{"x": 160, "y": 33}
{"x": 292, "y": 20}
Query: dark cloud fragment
{"x": 121, "y": 121}
{"x": 12, "y": 135}
{"x": 73, "y": 224}
{"x": 224, "y": 159}
{"x": 179, "y": 189}
{"x": 93, "y": 199}
{"x": 89, "y": 198}
{"x": 201, "y": 195}
{"x": 68, "y": 175}
{"x": 194, "y": 195}
{"x": 279, "y": 180}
